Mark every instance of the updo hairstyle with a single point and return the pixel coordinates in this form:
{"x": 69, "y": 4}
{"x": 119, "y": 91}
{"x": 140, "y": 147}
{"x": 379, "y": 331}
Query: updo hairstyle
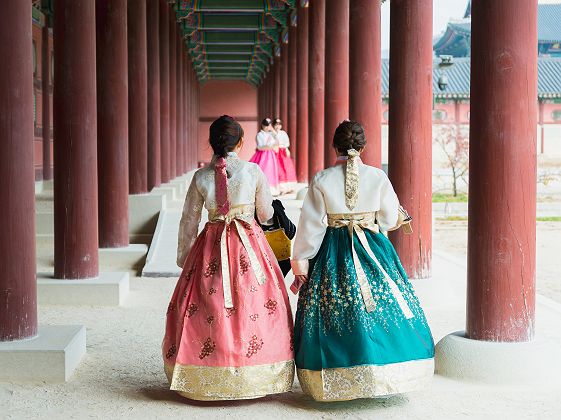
{"x": 225, "y": 134}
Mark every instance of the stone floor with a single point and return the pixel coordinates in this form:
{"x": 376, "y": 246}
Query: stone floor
{"x": 122, "y": 376}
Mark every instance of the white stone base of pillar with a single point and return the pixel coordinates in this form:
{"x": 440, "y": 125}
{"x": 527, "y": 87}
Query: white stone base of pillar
{"x": 181, "y": 187}
{"x": 169, "y": 192}
{"x": 144, "y": 210}
{"x": 489, "y": 362}
{"x": 52, "y": 356}
{"x": 109, "y": 289}
{"x": 130, "y": 258}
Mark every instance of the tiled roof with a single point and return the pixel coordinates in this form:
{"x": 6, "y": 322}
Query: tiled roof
{"x": 549, "y": 78}
{"x": 457, "y": 33}
{"x": 549, "y": 19}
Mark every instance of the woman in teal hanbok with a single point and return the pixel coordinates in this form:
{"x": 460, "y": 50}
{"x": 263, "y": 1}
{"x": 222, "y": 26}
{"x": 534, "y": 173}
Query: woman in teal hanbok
{"x": 360, "y": 331}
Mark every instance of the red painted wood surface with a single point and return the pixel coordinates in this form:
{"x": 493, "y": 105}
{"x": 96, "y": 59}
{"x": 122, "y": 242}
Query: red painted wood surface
{"x": 277, "y": 88}
{"x": 164, "y": 91}
{"x": 410, "y": 129}
{"x": 366, "y": 75}
{"x": 291, "y": 125}
{"x": 284, "y": 85}
{"x": 46, "y": 103}
{"x": 316, "y": 82}
{"x": 336, "y": 71}
{"x": 172, "y": 94}
{"x": 180, "y": 167}
{"x": 75, "y": 131}
{"x": 112, "y": 123}
{"x": 138, "y": 103}
{"x": 18, "y": 286}
{"x": 188, "y": 152}
{"x": 153, "y": 96}
{"x": 301, "y": 139}
{"x": 502, "y": 189}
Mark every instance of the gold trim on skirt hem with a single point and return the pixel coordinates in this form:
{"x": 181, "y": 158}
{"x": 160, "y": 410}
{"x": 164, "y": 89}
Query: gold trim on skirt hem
{"x": 366, "y": 381}
{"x": 211, "y": 383}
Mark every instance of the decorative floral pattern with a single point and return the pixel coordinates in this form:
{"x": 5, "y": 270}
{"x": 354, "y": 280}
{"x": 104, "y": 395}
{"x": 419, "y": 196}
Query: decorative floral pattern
{"x": 212, "y": 291}
{"x": 244, "y": 264}
{"x": 192, "y": 309}
{"x": 171, "y": 307}
{"x": 171, "y": 351}
{"x": 254, "y": 317}
{"x": 230, "y": 312}
{"x": 208, "y": 348}
{"x": 271, "y": 306}
{"x": 210, "y": 319}
{"x": 255, "y": 344}
{"x": 212, "y": 267}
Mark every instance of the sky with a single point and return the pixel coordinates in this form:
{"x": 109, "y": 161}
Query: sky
{"x": 443, "y": 11}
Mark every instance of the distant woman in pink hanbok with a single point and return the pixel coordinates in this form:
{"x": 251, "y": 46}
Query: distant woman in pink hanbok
{"x": 266, "y": 154}
{"x": 287, "y": 172}
{"x": 229, "y": 325}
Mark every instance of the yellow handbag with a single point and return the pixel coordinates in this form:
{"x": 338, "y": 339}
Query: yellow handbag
{"x": 280, "y": 243}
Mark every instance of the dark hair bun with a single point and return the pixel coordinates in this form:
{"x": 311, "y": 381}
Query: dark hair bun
{"x": 224, "y": 135}
{"x": 277, "y": 121}
{"x": 349, "y": 135}
{"x": 266, "y": 122}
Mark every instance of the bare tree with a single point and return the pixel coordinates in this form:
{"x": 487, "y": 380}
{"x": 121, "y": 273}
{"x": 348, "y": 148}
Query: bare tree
{"x": 454, "y": 142}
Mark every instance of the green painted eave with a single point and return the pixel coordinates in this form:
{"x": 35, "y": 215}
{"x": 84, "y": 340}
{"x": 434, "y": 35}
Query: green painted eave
{"x": 235, "y": 38}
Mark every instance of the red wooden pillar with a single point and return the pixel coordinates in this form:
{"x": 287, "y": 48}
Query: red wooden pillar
{"x": 18, "y": 286}
{"x": 316, "y": 81}
{"x": 46, "y": 103}
{"x": 188, "y": 153}
{"x": 292, "y": 95}
{"x": 172, "y": 93}
{"x": 336, "y": 71}
{"x": 138, "y": 104}
{"x": 112, "y": 123}
{"x": 164, "y": 91}
{"x": 179, "y": 125}
{"x": 75, "y": 147}
{"x": 502, "y": 187}
{"x": 277, "y": 88}
{"x": 366, "y": 75}
{"x": 284, "y": 85}
{"x": 302, "y": 104}
{"x": 153, "y": 93}
{"x": 410, "y": 128}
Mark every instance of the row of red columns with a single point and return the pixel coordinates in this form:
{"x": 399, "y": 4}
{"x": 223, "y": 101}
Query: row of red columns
{"x": 125, "y": 121}
{"x": 330, "y": 70}
{"x": 339, "y": 76}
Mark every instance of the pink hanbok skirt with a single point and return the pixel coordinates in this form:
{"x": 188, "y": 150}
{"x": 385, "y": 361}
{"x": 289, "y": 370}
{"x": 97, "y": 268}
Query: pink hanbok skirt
{"x": 287, "y": 173}
{"x": 211, "y": 352}
{"x": 268, "y": 162}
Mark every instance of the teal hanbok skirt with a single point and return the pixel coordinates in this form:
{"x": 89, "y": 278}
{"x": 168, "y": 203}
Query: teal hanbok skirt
{"x": 346, "y": 349}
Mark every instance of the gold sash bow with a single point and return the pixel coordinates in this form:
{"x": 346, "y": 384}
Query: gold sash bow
{"x": 357, "y": 223}
{"x": 239, "y": 217}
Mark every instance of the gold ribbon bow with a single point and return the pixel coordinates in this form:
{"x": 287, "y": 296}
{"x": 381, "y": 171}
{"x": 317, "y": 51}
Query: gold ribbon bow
{"x": 357, "y": 223}
{"x": 351, "y": 179}
{"x": 237, "y": 217}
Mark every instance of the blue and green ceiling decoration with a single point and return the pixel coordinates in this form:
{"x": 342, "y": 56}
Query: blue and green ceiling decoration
{"x": 235, "y": 39}
{"x": 229, "y": 39}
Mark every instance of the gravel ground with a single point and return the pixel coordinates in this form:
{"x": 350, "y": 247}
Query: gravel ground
{"x": 451, "y": 237}
{"x": 122, "y": 376}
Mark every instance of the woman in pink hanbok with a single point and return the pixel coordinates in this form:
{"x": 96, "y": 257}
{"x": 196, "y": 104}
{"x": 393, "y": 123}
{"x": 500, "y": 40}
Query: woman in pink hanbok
{"x": 287, "y": 172}
{"x": 266, "y": 154}
{"x": 229, "y": 324}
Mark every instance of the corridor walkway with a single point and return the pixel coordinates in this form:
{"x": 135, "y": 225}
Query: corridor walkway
{"x": 122, "y": 375}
